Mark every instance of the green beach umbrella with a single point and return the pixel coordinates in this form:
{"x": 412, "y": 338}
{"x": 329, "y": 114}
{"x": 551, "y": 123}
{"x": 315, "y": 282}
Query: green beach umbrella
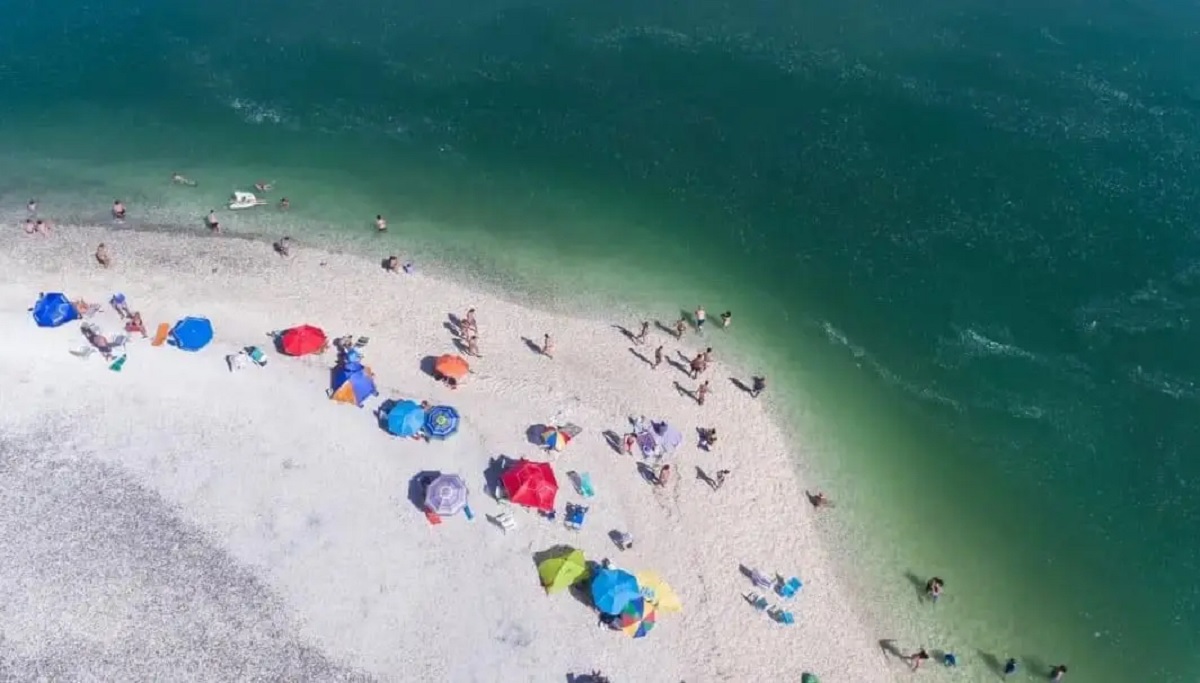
{"x": 809, "y": 678}
{"x": 563, "y": 570}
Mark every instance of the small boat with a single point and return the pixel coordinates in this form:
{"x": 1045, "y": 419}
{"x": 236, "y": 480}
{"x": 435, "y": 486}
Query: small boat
{"x": 245, "y": 200}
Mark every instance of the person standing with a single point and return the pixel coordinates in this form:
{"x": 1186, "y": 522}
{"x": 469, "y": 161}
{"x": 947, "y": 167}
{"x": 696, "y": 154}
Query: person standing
{"x": 933, "y": 588}
{"x": 640, "y": 337}
{"x": 702, "y": 392}
{"x": 701, "y": 317}
{"x": 726, "y": 318}
{"x": 473, "y": 345}
{"x": 680, "y": 326}
{"x": 658, "y": 358}
{"x": 380, "y": 223}
{"x": 548, "y": 346}
{"x": 757, "y": 384}
{"x": 624, "y": 540}
{"x": 118, "y": 210}
{"x": 1057, "y": 673}
{"x": 664, "y": 475}
{"x": 696, "y": 365}
{"x": 212, "y": 222}
{"x": 31, "y": 207}
{"x": 917, "y": 658}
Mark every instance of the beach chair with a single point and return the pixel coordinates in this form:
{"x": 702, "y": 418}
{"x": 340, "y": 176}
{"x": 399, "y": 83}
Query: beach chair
{"x": 781, "y": 616}
{"x": 576, "y": 515}
{"x": 256, "y": 355}
{"x": 585, "y": 485}
{"x": 361, "y": 342}
{"x": 506, "y": 522}
{"x": 756, "y": 601}
{"x": 789, "y": 588}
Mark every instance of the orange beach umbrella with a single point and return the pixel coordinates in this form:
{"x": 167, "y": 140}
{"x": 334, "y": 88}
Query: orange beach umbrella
{"x": 452, "y": 366}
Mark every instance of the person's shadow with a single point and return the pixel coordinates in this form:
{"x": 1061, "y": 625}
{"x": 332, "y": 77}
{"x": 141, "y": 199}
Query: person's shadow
{"x": 703, "y": 476}
{"x": 918, "y": 585}
{"x": 647, "y": 473}
{"x": 625, "y": 331}
{"x": 741, "y": 385}
{"x": 533, "y": 346}
{"x": 679, "y": 366}
{"x": 992, "y": 662}
{"x": 684, "y": 391}
{"x": 663, "y": 327}
{"x": 613, "y": 440}
{"x": 642, "y": 358}
{"x": 889, "y": 648}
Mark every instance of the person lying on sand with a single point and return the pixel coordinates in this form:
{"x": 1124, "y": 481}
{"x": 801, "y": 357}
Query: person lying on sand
{"x": 84, "y": 309}
{"x": 98, "y": 340}
{"x": 134, "y": 324}
{"x": 664, "y": 475}
{"x": 102, "y": 255}
{"x": 180, "y": 180}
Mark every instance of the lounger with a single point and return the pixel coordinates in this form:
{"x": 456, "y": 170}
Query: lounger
{"x": 585, "y": 485}
{"x": 789, "y": 588}
{"x": 505, "y": 521}
{"x": 782, "y": 616}
{"x": 576, "y": 515}
{"x": 757, "y": 601}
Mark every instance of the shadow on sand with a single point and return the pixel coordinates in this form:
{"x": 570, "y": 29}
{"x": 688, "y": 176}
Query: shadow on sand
{"x": 613, "y": 440}
{"x": 917, "y": 583}
{"x": 417, "y": 486}
{"x": 640, "y": 357}
{"x": 740, "y": 384}
{"x": 533, "y": 346}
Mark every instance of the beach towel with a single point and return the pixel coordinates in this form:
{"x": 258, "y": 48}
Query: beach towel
{"x": 160, "y": 335}
{"x": 117, "y": 364}
{"x": 433, "y": 517}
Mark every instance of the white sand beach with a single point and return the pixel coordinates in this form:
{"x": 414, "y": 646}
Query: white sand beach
{"x": 175, "y": 521}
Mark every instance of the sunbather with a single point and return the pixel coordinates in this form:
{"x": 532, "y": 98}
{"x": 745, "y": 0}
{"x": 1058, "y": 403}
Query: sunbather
{"x": 134, "y": 324}
{"x": 98, "y": 340}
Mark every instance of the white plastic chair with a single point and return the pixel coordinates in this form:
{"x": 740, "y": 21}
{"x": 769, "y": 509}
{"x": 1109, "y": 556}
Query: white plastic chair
{"x": 506, "y": 521}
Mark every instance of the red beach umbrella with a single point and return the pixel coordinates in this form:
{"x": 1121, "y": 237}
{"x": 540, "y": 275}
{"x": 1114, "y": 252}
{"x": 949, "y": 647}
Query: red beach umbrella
{"x": 302, "y": 340}
{"x": 531, "y": 484}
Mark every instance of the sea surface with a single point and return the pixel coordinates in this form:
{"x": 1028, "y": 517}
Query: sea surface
{"x": 958, "y": 237}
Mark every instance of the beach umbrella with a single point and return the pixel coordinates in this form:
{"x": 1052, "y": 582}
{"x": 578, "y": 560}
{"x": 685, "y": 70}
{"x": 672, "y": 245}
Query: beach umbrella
{"x": 531, "y": 484}
{"x": 555, "y": 439}
{"x": 612, "y": 589}
{"x": 668, "y": 437}
{"x": 302, "y": 340}
{"x": 406, "y": 418}
{"x": 809, "y": 678}
{"x": 446, "y": 495}
{"x": 441, "y": 422}
{"x": 452, "y": 366}
{"x": 53, "y": 309}
{"x": 658, "y": 593}
{"x": 557, "y": 573}
{"x": 192, "y": 334}
{"x": 637, "y": 618}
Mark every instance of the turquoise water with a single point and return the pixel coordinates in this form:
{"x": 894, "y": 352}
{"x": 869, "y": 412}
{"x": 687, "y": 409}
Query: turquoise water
{"x": 959, "y": 235}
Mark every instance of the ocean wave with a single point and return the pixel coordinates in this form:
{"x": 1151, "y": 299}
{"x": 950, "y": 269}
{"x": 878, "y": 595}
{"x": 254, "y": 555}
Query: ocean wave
{"x": 255, "y": 112}
{"x": 1164, "y": 383}
{"x": 866, "y": 360}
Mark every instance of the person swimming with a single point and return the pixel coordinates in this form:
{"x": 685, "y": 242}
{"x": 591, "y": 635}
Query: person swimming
{"x": 181, "y": 180}
{"x": 262, "y": 186}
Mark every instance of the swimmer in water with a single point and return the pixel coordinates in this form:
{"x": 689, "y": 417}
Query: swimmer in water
{"x": 264, "y": 186}
{"x": 181, "y": 180}
{"x": 284, "y": 204}
{"x": 380, "y": 224}
{"x": 31, "y": 207}
{"x": 118, "y": 210}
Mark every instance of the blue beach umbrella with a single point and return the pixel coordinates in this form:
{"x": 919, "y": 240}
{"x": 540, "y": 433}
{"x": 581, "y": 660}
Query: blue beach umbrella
{"x": 613, "y": 589}
{"x": 441, "y": 422}
{"x": 54, "y": 309}
{"x": 405, "y": 418}
{"x": 192, "y": 334}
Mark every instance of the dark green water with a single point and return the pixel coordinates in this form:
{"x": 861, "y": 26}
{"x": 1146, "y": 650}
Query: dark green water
{"x": 959, "y": 235}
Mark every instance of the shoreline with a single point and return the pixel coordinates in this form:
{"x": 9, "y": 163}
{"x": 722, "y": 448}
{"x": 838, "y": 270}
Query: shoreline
{"x": 166, "y": 259}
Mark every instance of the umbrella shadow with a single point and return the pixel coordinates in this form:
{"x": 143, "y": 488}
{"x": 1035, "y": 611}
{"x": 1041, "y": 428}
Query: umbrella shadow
{"x": 641, "y": 357}
{"x": 417, "y": 486}
{"x": 428, "y": 366}
{"x": 740, "y": 385}
{"x": 625, "y": 331}
{"x": 534, "y": 434}
{"x": 703, "y": 476}
{"x": 613, "y": 440}
{"x": 491, "y": 474}
{"x": 917, "y": 583}
{"x": 992, "y": 662}
{"x": 381, "y": 413}
{"x": 614, "y": 535}
{"x": 533, "y": 346}
{"x": 549, "y": 553}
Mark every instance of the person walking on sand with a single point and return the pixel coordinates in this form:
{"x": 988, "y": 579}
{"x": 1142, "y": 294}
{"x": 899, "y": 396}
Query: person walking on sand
{"x": 658, "y": 358}
{"x": 102, "y": 255}
{"x": 726, "y": 318}
{"x": 701, "y": 317}
{"x": 640, "y": 337}
{"x": 696, "y": 365}
{"x": 680, "y": 326}
{"x": 380, "y": 224}
{"x": 917, "y": 658}
{"x": 933, "y": 588}
{"x": 702, "y": 392}
{"x": 757, "y": 384}
{"x": 720, "y": 480}
{"x": 548, "y": 346}
{"x": 708, "y": 353}
{"x": 118, "y": 210}
{"x": 177, "y": 179}
{"x": 1057, "y": 673}
{"x": 212, "y": 221}
{"x": 467, "y": 324}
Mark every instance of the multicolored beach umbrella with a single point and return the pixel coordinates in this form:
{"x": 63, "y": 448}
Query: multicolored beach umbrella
{"x": 446, "y": 495}
{"x": 658, "y": 593}
{"x": 441, "y": 422}
{"x": 555, "y": 439}
{"x": 637, "y": 618}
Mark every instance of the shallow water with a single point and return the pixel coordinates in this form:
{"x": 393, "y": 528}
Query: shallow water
{"x": 956, "y": 236}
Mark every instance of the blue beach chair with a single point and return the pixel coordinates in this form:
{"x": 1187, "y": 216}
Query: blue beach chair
{"x": 782, "y": 616}
{"x": 789, "y": 588}
{"x": 756, "y": 601}
{"x": 576, "y": 514}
